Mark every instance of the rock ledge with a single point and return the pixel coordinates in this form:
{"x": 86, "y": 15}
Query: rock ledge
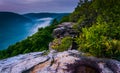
{"x": 70, "y": 61}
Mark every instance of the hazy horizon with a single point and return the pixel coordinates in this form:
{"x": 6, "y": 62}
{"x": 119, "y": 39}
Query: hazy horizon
{"x": 15, "y": 27}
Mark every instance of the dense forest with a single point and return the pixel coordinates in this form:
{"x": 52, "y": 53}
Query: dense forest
{"x": 98, "y": 25}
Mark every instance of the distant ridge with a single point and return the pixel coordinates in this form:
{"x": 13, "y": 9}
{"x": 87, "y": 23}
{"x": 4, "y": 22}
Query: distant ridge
{"x": 12, "y": 18}
{"x": 11, "y": 27}
{"x": 43, "y": 15}
{"x": 15, "y": 27}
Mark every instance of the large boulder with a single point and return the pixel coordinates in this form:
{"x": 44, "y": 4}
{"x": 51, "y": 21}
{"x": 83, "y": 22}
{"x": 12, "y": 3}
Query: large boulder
{"x": 64, "y": 29}
{"x": 70, "y": 61}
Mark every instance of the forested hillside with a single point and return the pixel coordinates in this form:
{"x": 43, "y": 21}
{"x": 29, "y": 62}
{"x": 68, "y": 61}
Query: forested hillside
{"x": 37, "y": 42}
{"x": 98, "y": 25}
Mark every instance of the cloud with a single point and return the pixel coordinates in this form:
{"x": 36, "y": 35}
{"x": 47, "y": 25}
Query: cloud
{"x": 31, "y": 1}
{"x": 1, "y": 2}
{"x": 23, "y": 1}
{"x": 28, "y": 6}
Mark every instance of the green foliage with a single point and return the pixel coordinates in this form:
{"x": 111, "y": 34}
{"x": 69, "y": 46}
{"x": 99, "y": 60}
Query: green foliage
{"x": 37, "y": 42}
{"x": 77, "y": 26}
{"x": 99, "y": 41}
{"x": 98, "y": 23}
{"x": 64, "y": 19}
{"x": 91, "y": 41}
{"x": 62, "y": 44}
{"x": 83, "y": 9}
{"x": 113, "y": 49}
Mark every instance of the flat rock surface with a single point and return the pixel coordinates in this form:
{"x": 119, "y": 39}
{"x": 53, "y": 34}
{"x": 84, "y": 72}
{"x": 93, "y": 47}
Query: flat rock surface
{"x": 20, "y": 63}
{"x": 70, "y": 61}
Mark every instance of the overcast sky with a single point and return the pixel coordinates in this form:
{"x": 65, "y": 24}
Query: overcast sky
{"x": 35, "y": 6}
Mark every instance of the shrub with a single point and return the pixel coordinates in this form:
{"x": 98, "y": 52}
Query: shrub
{"x": 78, "y": 25}
{"x": 62, "y": 44}
{"x": 64, "y": 19}
{"x": 99, "y": 40}
{"x": 113, "y": 48}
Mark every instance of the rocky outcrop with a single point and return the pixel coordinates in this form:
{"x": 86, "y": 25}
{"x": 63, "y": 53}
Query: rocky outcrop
{"x": 70, "y": 61}
{"x": 64, "y": 29}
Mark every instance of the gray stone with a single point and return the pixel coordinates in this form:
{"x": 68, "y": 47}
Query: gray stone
{"x": 20, "y": 63}
{"x": 70, "y": 61}
{"x": 64, "y": 29}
